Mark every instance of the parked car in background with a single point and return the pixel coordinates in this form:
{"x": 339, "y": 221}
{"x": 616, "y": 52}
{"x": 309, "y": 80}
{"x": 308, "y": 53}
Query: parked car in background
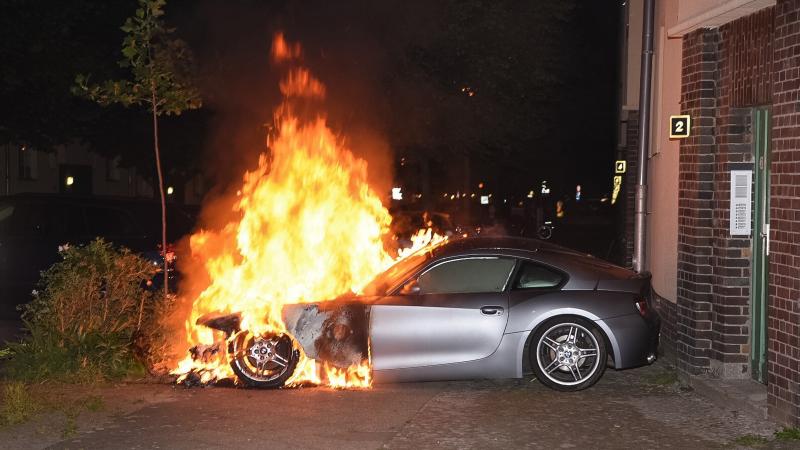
{"x": 33, "y": 226}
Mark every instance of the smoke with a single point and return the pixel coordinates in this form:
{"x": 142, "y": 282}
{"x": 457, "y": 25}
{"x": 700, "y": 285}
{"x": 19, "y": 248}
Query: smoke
{"x": 240, "y": 82}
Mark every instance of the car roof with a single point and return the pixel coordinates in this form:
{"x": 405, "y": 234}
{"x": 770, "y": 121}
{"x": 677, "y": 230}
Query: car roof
{"x": 504, "y": 244}
{"x": 584, "y": 269}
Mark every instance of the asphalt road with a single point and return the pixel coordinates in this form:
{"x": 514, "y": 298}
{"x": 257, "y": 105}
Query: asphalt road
{"x": 640, "y": 408}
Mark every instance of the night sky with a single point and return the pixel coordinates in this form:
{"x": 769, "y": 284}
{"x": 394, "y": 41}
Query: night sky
{"x": 544, "y": 76}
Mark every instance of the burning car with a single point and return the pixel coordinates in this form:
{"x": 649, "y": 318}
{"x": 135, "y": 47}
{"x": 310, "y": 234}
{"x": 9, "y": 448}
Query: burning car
{"x": 472, "y": 308}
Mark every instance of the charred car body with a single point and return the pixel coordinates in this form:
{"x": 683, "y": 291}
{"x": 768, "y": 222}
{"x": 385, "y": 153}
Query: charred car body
{"x": 472, "y": 308}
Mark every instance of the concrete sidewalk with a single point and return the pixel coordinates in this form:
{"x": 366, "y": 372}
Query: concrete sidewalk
{"x": 640, "y": 408}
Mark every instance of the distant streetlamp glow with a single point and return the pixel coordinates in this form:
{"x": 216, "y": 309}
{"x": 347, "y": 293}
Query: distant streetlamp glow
{"x": 170, "y": 190}
{"x": 397, "y": 193}
{"x": 70, "y": 181}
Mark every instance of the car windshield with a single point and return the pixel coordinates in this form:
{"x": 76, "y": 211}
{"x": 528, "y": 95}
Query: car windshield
{"x": 395, "y": 274}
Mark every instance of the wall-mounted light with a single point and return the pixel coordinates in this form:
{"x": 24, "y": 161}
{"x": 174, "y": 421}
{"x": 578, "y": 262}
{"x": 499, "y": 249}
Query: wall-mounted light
{"x": 397, "y": 193}
{"x": 170, "y": 190}
{"x": 69, "y": 181}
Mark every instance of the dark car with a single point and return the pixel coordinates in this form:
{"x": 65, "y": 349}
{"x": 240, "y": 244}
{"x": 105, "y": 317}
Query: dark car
{"x": 32, "y": 227}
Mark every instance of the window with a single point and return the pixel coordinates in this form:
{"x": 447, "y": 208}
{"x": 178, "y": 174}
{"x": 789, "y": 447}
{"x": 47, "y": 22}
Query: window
{"x": 535, "y": 276}
{"x": 395, "y": 274}
{"x": 28, "y": 163}
{"x": 112, "y": 168}
{"x": 469, "y": 275}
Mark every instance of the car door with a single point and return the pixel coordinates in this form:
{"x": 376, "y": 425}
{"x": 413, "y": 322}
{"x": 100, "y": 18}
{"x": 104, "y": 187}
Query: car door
{"x": 455, "y": 310}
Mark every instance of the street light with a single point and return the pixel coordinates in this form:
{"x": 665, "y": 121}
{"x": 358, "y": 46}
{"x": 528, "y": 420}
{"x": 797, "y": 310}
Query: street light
{"x": 70, "y": 181}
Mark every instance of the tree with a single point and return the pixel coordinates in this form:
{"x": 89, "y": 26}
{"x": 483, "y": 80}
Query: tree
{"x": 486, "y": 82}
{"x": 42, "y": 46}
{"x": 160, "y": 68}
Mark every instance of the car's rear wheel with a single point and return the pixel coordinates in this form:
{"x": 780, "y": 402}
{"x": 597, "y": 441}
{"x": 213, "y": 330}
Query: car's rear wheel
{"x": 264, "y": 361}
{"x": 569, "y": 354}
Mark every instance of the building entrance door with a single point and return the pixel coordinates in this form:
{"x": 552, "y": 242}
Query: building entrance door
{"x": 759, "y": 281}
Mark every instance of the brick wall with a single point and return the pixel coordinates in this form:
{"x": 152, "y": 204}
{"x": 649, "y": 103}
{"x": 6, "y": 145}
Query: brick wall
{"x": 695, "y": 201}
{"x": 784, "y": 261}
{"x": 743, "y": 64}
{"x": 629, "y": 185}
{"x": 667, "y": 310}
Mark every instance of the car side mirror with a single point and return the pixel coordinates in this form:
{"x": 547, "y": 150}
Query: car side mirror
{"x": 410, "y": 288}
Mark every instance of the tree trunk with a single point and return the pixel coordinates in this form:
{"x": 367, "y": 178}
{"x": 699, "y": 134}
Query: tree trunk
{"x": 161, "y": 191}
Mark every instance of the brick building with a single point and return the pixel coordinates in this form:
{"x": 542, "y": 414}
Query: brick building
{"x": 726, "y": 271}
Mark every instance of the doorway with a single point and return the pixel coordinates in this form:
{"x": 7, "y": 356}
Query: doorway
{"x": 759, "y": 281}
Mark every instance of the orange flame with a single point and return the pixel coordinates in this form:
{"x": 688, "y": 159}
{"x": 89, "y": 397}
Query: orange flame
{"x": 309, "y": 229}
{"x": 300, "y": 83}
{"x": 283, "y": 51}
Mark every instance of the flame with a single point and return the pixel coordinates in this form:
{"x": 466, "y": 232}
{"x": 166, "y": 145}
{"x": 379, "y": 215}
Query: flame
{"x": 300, "y": 83}
{"x": 309, "y": 229}
{"x": 283, "y": 51}
{"x": 423, "y": 238}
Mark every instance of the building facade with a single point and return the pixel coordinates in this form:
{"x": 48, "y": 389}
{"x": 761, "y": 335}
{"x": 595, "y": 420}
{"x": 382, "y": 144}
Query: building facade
{"x": 723, "y": 223}
{"x": 73, "y": 170}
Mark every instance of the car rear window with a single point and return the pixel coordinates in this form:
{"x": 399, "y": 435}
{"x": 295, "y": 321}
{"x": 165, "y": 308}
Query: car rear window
{"x": 536, "y": 276}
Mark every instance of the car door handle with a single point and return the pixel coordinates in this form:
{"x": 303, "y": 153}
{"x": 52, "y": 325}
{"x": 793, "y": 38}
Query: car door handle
{"x": 492, "y": 310}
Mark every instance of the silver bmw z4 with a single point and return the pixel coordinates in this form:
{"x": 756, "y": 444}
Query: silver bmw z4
{"x": 469, "y": 309}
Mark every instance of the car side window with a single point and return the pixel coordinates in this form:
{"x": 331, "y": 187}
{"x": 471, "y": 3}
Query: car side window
{"x": 468, "y": 275}
{"x": 536, "y": 276}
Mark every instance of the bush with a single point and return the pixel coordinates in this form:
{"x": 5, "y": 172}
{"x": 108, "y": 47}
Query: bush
{"x": 83, "y": 321}
{"x": 18, "y": 405}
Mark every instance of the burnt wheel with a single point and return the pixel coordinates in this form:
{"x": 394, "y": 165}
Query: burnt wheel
{"x": 569, "y": 354}
{"x": 265, "y": 361}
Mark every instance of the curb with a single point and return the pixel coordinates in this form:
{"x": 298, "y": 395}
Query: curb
{"x": 741, "y": 395}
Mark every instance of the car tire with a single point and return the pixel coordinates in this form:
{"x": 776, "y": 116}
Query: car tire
{"x": 568, "y": 353}
{"x": 265, "y": 361}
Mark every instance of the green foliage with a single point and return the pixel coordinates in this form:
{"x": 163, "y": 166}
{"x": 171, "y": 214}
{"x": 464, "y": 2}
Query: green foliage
{"x": 160, "y": 67}
{"x": 94, "y": 403}
{"x": 788, "y": 434}
{"x": 664, "y": 378}
{"x": 489, "y": 77}
{"x": 83, "y": 321}
{"x": 18, "y": 405}
{"x": 751, "y": 440}
{"x": 42, "y": 46}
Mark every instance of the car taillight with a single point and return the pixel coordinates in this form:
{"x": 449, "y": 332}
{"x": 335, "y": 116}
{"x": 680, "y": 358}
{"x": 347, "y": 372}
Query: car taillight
{"x": 641, "y": 306}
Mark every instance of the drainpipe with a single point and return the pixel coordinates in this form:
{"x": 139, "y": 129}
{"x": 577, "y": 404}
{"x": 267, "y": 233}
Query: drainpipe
{"x": 644, "y": 136}
{"x": 8, "y": 168}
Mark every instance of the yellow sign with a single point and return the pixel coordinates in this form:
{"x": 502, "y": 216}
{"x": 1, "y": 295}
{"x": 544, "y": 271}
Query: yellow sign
{"x": 617, "y": 186}
{"x": 680, "y": 126}
{"x": 620, "y": 166}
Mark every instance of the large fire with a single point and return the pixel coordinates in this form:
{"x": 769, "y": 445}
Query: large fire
{"x": 309, "y": 229}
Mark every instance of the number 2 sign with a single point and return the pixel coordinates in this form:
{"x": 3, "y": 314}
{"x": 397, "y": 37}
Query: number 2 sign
{"x": 679, "y": 126}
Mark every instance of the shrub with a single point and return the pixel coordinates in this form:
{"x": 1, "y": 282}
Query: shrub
{"x": 18, "y": 405}
{"x": 86, "y": 315}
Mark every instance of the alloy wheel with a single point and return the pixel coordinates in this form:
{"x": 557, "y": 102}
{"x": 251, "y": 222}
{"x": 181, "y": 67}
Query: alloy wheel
{"x": 568, "y": 354}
